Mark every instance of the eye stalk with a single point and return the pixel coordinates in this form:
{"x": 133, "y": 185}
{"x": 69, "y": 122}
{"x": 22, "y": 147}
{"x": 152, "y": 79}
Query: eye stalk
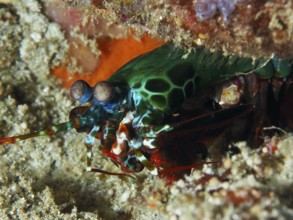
{"x": 103, "y": 92}
{"x": 81, "y": 91}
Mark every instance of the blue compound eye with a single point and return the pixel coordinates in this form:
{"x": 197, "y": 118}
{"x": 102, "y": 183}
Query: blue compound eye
{"x": 103, "y": 91}
{"x": 81, "y": 91}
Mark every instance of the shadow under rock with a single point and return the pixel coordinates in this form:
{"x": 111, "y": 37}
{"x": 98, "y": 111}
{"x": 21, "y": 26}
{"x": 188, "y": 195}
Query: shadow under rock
{"x": 68, "y": 192}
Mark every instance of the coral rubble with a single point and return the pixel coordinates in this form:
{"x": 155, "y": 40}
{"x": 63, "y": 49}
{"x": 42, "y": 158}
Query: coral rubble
{"x": 247, "y": 28}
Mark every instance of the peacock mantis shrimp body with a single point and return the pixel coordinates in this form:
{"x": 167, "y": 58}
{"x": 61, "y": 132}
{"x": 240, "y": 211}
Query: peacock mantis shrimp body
{"x": 138, "y": 111}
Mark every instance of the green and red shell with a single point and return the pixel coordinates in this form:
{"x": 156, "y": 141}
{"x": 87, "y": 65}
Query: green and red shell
{"x": 167, "y": 76}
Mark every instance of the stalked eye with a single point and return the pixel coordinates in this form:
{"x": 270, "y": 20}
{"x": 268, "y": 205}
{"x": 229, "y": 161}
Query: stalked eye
{"x": 81, "y": 91}
{"x": 103, "y": 91}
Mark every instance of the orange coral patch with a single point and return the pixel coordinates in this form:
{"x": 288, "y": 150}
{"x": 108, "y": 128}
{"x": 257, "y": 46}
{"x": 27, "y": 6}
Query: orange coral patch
{"x": 115, "y": 53}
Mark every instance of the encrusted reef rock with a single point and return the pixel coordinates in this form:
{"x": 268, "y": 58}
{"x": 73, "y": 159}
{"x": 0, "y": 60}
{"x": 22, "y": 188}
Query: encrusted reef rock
{"x": 256, "y": 28}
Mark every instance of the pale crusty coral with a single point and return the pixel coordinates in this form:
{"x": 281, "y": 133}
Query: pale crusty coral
{"x": 28, "y": 34}
{"x": 10, "y": 38}
{"x": 253, "y": 188}
{"x": 42, "y": 39}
